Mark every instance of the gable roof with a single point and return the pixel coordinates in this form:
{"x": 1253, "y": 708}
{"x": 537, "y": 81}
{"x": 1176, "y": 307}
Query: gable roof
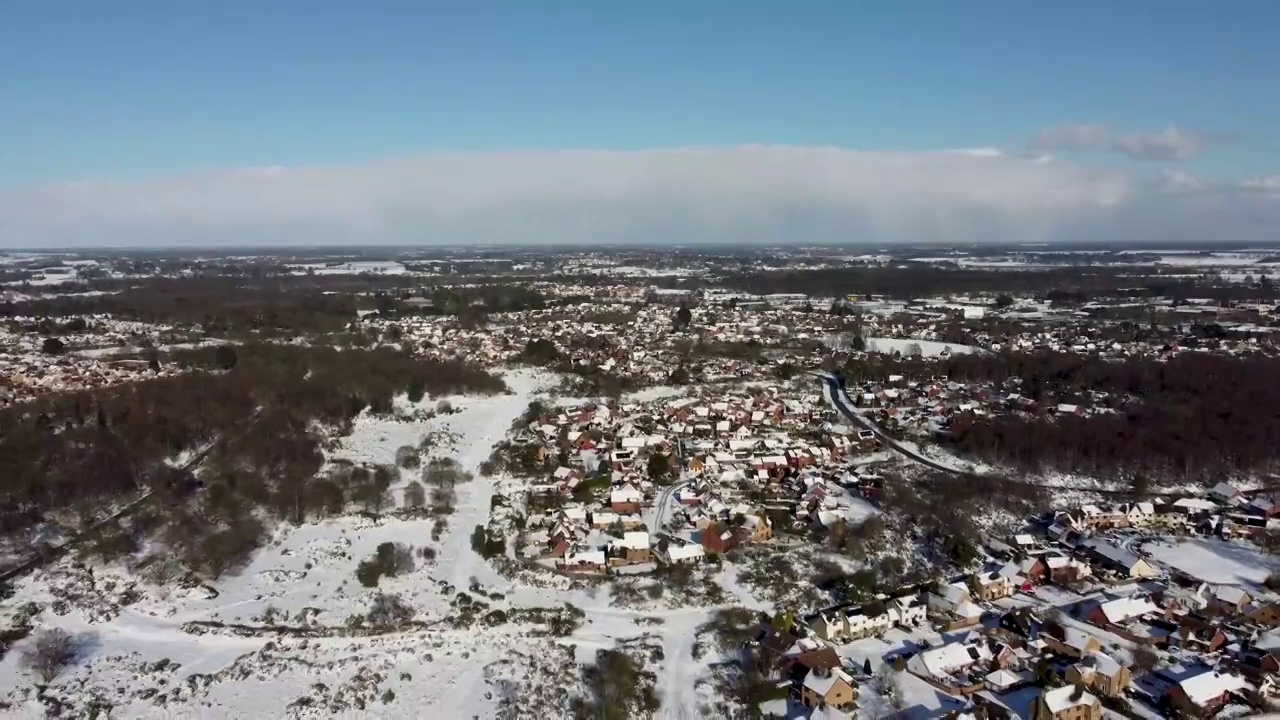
{"x": 1122, "y": 609}
{"x": 1211, "y": 684}
{"x": 821, "y": 682}
{"x": 1111, "y": 552}
{"x": 1065, "y": 698}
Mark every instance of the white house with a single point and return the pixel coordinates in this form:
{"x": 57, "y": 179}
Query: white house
{"x": 685, "y": 554}
{"x": 912, "y": 611}
{"x": 588, "y": 560}
{"x": 625, "y": 495}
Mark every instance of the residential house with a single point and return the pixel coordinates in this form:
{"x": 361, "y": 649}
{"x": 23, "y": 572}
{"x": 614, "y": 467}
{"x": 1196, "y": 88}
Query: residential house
{"x": 1034, "y": 570}
{"x": 718, "y": 538}
{"x": 1265, "y": 614}
{"x": 625, "y": 498}
{"x": 911, "y": 610}
{"x": 1200, "y": 634}
{"x": 1226, "y": 493}
{"x": 1231, "y": 600}
{"x": 1069, "y": 641}
{"x": 1003, "y": 680}
{"x": 951, "y": 667}
{"x": 1117, "y": 559}
{"x": 829, "y": 625}
{"x": 584, "y": 561}
{"x": 755, "y": 529}
{"x": 1018, "y": 626}
{"x": 831, "y": 687}
{"x": 1120, "y": 614}
{"x": 631, "y": 549}
{"x": 566, "y": 479}
{"x": 1068, "y": 702}
{"x": 954, "y": 600}
{"x": 1205, "y": 694}
{"x": 1100, "y": 673}
{"x": 1065, "y": 570}
{"x": 685, "y": 554}
{"x": 872, "y": 619}
{"x": 993, "y": 585}
{"x": 1258, "y": 662}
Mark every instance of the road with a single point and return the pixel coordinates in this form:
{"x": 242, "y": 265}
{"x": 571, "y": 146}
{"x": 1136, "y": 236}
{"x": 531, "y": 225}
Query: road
{"x": 664, "y": 497}
{"x": 840, "y": 400}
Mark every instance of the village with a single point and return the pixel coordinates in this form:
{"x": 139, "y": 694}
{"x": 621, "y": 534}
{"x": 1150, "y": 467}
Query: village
{"x": 1084, "y": 611}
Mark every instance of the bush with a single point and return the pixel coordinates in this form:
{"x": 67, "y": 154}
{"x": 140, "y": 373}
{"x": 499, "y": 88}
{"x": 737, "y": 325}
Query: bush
{"x": 390, "y": 559}
{"x": 415, "y": 496}
{"x": 408, "y": 458}
{"x": 389, "y": 611}
{"x": 225, "y": 357}
{"x": 368, "y": 572}
{"x": 51, "y": 652}
{"x": 619, "y": 687}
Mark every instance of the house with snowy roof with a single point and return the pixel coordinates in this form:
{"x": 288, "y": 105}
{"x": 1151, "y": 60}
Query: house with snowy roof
{"x": 951, "y": 667}
{"x": 1226, "y": 494}
{"x": 631, "y": 549}
{"x": 1204, "y": 694}
{"x": 1100, "y": 673}
{"x": 1117, "y": 559}
{"x": 1121, "y": 611}
{"x": 1068, "y": 702}
{"x": 828, "y": 687}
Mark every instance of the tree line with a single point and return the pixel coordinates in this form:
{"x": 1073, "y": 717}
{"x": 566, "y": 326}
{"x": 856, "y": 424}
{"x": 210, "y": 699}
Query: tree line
{"x": 66, "y": 458}
{"x": 1068, "y": 285}
{"x": 1197, "y": 416}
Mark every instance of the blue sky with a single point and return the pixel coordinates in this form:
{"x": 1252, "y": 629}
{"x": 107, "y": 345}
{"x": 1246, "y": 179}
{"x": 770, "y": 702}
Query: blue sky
{"x": 137, "y": 90}
{"x": 103, "y": 89}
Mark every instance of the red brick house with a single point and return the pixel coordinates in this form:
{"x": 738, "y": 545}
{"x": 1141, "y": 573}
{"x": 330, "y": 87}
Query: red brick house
{"x": 718, "y": 538}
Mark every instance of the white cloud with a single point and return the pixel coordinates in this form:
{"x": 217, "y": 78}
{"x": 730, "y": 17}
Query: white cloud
{"x": 1169, "y": 144}
{"x": 744, "y": 195}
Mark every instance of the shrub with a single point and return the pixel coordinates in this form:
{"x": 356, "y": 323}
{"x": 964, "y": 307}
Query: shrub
{"x": 368, "y": 572}
{"x": 52, "y": 651}
{"x": 389, "y": 611}
{"x": 407, "y": 457}
{"x": 415, "y": 496}
{"x": 390, "y": 559}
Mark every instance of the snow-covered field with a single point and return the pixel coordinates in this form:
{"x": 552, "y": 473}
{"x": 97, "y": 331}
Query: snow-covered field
{"x": 376, "y": 267}
{"x": 1216, "y": 561}
{"x": 928, "y": 348}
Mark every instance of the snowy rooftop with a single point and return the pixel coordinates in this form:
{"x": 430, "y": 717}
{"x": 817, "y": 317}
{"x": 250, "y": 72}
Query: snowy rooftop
{"x": 1065, "y": 698}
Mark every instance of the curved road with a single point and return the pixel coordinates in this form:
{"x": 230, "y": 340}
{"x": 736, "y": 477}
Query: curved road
{"x": 840, "y": 400}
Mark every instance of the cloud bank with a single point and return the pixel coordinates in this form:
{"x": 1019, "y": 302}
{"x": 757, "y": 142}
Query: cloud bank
{"x": 1169, "y": 144}
{"x": 754, "y": 194}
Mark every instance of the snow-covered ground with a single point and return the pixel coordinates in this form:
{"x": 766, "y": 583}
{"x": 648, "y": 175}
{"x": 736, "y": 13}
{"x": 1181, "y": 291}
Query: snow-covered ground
{"x": 376, "y": 267}
{"x": 1216, "y": 561}
{"x": 906, "y": 346}
{"x": 157, "y": 652}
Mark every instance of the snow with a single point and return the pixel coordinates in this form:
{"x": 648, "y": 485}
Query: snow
{"x": 306, "y": 574}
{"x": 376, "y": 267}
{"x": 1216, "y": 561}
{"x": 928, "y": 348}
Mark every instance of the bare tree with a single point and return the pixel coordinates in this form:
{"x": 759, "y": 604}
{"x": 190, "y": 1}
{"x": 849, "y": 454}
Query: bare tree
{"x": 52, "y": 651}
